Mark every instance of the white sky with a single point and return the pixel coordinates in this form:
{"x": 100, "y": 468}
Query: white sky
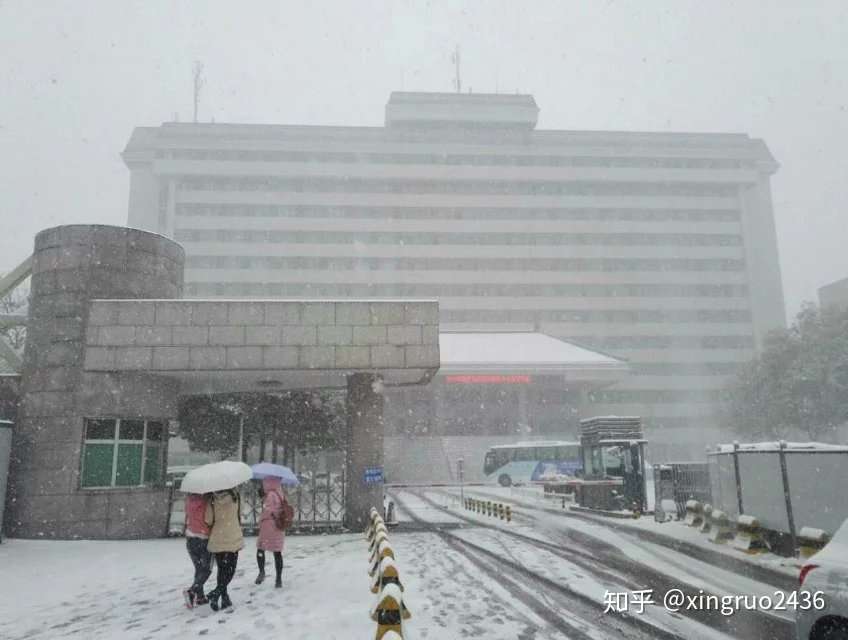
{"x": 77, "y": 76}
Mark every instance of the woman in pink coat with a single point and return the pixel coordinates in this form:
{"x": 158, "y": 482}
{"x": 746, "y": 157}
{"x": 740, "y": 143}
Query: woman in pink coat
{"x": 271, "y": 537}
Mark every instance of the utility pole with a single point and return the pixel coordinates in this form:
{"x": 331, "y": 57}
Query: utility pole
{"x": 458, "y": 78}
{"x": 197, "y": 84}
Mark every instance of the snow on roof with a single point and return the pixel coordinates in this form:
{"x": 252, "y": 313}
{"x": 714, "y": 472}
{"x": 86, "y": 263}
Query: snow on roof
{"x": 775, "y": 446}
{"x": 466, "y": 351}
{"x": 538, "y": 443}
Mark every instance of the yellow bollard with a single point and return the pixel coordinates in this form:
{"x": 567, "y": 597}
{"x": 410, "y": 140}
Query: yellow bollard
{"x": 508, "y": 513}
{"x": 500, "y": 511}
{"x": 375, "y": 548}
{"x": 386, "y": 574}
{"x": 389, "y": 612}
{"x": 383, "y": 551}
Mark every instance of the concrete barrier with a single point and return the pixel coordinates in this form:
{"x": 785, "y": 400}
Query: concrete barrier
{"x": 694, "y": 513}
{"x": 706, "y": 524}
{"x": 811, "y": 540}
{"x": 720, "y": 529}
{"x": 749, "y": 535}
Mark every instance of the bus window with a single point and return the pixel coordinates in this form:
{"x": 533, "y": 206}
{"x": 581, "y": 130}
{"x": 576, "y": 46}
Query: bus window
{"x": 546, "y": 454}
{"x": 524, "y": 454}
{"x": 489, "y": 463}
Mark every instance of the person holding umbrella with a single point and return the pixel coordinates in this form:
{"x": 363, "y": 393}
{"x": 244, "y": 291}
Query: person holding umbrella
{"x": 222, "y": 517}
{"x": 276, "y": 516}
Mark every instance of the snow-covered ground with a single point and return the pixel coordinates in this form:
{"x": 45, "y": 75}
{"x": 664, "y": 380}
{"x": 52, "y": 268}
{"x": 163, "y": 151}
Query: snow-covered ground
{"x": 675, "y": 529}
{"x": 55, "y": 590}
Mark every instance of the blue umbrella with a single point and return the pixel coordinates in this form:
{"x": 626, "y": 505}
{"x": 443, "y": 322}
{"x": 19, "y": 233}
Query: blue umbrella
{"x": 270, "y": 470}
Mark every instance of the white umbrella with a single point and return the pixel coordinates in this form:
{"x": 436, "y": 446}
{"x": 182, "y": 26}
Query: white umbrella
{"x": 217, "y": 476}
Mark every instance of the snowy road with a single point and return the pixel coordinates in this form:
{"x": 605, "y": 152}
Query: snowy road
{"x": 583, "y": 560}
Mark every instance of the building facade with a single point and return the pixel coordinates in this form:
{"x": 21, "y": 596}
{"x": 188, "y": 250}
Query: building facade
{"x": 834, "y": 295}
{"x": 658, "y": 248}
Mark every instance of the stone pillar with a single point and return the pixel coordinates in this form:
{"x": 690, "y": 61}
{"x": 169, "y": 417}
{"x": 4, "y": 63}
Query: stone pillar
{"x": 71, "y": 266}
{"x": 364, "y": 447}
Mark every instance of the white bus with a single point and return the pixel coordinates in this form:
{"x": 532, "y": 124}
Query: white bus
{"x": 526, "y": 462}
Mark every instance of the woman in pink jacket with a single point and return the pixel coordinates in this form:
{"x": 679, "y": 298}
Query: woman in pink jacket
{"x": 271, "y": 537}
{"x": 197, "y": 539}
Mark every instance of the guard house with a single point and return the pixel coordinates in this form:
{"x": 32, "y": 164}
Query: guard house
{"x": 112, "y": 345}
{"x": 613, "y": 449}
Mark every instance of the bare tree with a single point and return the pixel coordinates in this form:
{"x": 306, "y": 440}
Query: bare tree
{"x": 14, "y": 303}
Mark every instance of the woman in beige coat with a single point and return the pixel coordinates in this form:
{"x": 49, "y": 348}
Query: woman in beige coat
{"x": 223, "y": 516}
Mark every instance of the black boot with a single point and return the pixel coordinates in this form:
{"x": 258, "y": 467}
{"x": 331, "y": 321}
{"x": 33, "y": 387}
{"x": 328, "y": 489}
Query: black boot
{"x": 213, "y": 599}
{"x": 199, "y": 597}
{"x": 260, "y": 578}
{"x": 279, "y": 583}
{"x": 226, "y": 603}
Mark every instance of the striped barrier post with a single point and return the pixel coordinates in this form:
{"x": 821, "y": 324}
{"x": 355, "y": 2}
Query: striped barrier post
{"x": 508, "y": 513}
{"x": 389, "y": 612}
{"x": 386, "y": 574}
{"x": 383, "y": 551}
{"x": 500, "y": 511}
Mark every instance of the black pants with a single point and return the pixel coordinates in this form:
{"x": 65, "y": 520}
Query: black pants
{"x": 226, "y": 562}
{"x": 278, "y": 562}
{"x": 202, "y": 560}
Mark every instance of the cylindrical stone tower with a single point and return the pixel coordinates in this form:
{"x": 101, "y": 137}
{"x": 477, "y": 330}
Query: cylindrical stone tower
{"x": 66, "y": 413}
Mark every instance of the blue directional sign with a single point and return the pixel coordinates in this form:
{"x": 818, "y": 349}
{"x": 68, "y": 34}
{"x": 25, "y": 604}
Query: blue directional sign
{"x": 373, "y": 475}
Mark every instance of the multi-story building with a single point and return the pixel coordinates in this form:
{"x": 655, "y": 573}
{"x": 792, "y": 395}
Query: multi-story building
{"x": 658, "y": 248}
{"x": 834, "y": 295}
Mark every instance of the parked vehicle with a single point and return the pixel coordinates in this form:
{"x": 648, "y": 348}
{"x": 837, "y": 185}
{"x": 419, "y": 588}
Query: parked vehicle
{"x": 826, "y": 572}
{"x": 532, "y": 462}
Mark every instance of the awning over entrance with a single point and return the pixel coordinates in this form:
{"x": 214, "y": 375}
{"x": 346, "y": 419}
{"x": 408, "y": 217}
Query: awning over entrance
{"x": 488, "y": 355}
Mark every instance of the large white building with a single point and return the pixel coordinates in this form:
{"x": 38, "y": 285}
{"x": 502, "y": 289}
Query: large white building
{"x": 658, "y": 248}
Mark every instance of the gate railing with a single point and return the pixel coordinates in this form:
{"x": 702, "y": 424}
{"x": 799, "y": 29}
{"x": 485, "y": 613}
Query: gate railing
{"x": 682, "y": 481}
{"x": 318, "y": 502}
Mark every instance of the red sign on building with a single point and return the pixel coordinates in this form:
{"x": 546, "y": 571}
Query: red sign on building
{"x": 487, "y": 379}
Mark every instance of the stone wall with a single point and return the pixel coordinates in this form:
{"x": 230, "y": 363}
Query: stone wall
{"x": 191, "y": 335}
{"x": 72, "y": 265}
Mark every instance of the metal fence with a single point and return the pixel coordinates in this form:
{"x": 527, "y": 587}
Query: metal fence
{"x": 682, "y": 481}
{"x": 786, "y": 486}
{"x": 318, "y": 502}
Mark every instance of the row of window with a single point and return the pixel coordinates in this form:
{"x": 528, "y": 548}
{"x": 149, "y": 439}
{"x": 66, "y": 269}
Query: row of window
{"x": 345, "y": 263}
{"x": 657, "y": 396}
{"x": 517, "y": 160}
{"x": 454, "y": 213}
{"x": 502, "y": 187}
{"x": 471, "y": 238}
{"x": 122, "y": 453}
{"x": 403, "y": 290}
{"x": 668, "y": 342}
{"x": 628, "y": 316}
{"x": 685, "y": 368}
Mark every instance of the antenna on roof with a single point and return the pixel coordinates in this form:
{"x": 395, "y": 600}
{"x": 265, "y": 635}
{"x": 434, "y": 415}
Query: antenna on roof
{"x": 457, "y": 77}
{"x": 197, "y": 84}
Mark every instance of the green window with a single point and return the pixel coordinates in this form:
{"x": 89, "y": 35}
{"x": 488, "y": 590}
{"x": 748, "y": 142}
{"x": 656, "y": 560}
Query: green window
{"x": 122, "y": 453}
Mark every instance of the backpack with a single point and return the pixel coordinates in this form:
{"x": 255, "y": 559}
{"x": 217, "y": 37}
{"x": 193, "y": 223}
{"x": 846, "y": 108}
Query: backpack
{"x": 284, "y": 518}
